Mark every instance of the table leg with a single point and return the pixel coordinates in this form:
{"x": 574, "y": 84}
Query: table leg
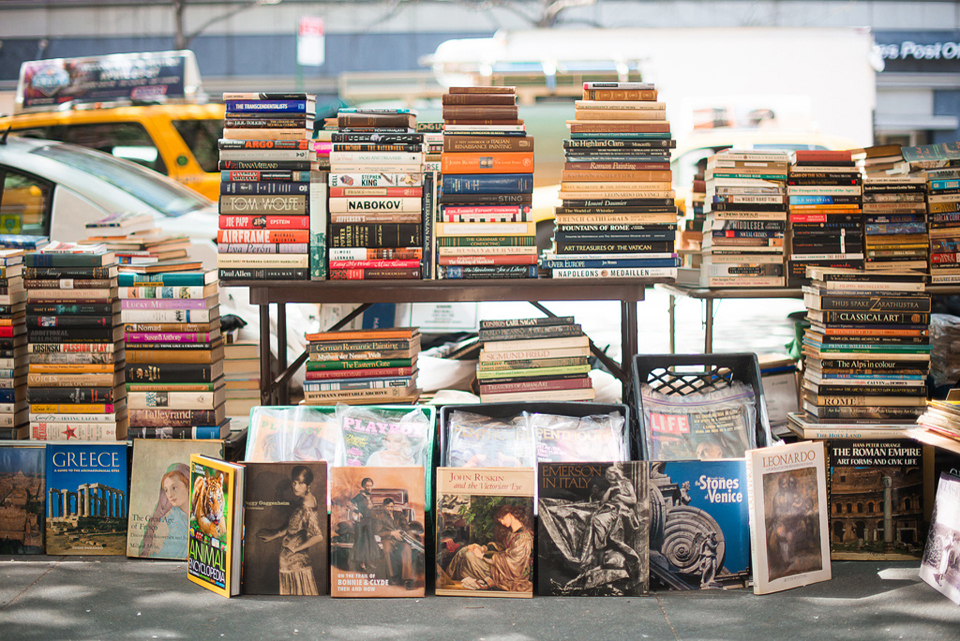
{"x": 629, "y": 342}
{"x": 708, "y": 332}
{"x": 672, "y": 315}
{"x": 284, "y": 390}
{"x": 266, "y": 378}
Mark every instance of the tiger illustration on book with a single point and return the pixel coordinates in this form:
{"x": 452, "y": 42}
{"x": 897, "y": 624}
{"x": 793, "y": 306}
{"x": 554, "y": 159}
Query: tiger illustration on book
{"x": 208, "y": 505}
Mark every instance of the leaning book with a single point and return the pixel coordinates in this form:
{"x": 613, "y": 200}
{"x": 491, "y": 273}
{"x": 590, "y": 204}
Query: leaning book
{"x": 216, "y": 522}
{"x": 789, "y": 537}
{"x": 941, "y": 557}
{"x": 485, "y": 532}
{"x": 22, "y": 486}
{"x": 86, "y": 498}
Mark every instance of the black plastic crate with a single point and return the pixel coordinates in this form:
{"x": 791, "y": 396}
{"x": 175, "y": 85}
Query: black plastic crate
{"x": 686, "y": 374}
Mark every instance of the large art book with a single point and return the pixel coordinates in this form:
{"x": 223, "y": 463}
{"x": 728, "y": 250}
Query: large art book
{"x": 789, "y": 538}
{"x": 485, "y": 532}
{"x": 216, "y": 524}
{"x": 699, "y": 531}
{"x": 594, "y": 529}
{"x": 941, "y": 558}
{"x": 285, "y": 525}
{"x": 160, "y": 496}
{"x": 86, "y": 498}
{"x": 377, "y": 521}
{"x": 22, "y": 485}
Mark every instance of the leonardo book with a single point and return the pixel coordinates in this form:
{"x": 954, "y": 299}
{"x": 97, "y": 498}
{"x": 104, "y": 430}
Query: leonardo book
{"x": 787, "y": 489}
{"x": 485, "y": 532}
{"x": 594, "y": 529}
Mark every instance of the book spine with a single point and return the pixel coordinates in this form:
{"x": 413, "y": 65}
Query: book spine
{"x": 167, "y": 291}
{"x": 256, "y": 176}
{"x": 71, "y": 395}
{"x": 366, "y": 373}
{"x": 487, "y": 183}
{"x": 264, "y": 248}
{"x": 375, "y": 273}
{"x": 236, "y": 122}
{"x": 429, "y": 213}
{"x": 164, "y": 304}
{"x": 375, "y": 235}
{"x": 172, "y": 372}
{"x": 264, "y": 222}
{"x": 294, "y": 106}
{"x": 171, "y": 417}
{"x": 402, "y": 383}
{"x": 42, "y": 431}
{"x": 72, "y": 335}
{"x": 316, "y": 366}
{"x": 188, "y": 432}
{"x": 529, "y": 331}
{"x": 356, "y": 346}
{"x": 264, "y": 274}
{"x": 614, "y": 272}
{"x": 265, "y": 165}
{"x": 375, "y": 180}
{"x": 72, "y": 380}
{"x": 39, "y": 322}
{"x": 456, "y": 272}
{"x": 280, "y": 204}
{"x": 319, "y": 223}
{"x": 536, "y": 386}
{"x": 375, "y": 204}
{"x": 228, "y": 188}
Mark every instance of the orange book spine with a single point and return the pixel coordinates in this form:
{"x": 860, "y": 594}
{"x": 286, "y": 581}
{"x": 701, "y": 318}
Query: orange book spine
{"x": 72, "y": 368}
{"x": 520, "y": 162}
{"x": 399, "y": 332}
{"x": 571, "y": 175}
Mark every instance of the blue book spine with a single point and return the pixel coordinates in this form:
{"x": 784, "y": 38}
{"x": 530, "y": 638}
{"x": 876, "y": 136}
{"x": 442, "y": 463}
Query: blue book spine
{"x": 595, "y": 264}
{"x": 286, "y": 175}
{"x": 488, "y": 184}
{"x": 944, "y": 184}
{"x": 896, "y": 228}
{"x": 7, "y": 396}
{"x": 270, "y": 106}
{"x": 819, "y": 200}
{"x": 187, "y": 279}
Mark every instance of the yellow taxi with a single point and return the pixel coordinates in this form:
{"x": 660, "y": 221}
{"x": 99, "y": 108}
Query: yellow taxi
{"x": 177, "y": 138}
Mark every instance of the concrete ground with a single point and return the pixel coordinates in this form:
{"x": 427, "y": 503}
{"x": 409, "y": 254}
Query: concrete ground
{"x": 115, "y": 598}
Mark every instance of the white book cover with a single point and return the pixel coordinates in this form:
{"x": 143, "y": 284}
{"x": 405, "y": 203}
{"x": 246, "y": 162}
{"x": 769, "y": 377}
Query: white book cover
{"x": 941, "y": 556}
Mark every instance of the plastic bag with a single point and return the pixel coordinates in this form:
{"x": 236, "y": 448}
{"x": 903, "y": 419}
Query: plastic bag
{"x": 482, "y": 441}
{"x": 600, "y": 437}
{"x": 385, "y": 437}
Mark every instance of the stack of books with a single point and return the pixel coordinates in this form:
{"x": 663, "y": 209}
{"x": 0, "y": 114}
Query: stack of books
{"x": 14, "y": 422}
{"x": 746, "y": 217}
{"x": 138, "y": 243}
{"x": 543, "y": 359}
{"x": 940, "y": 424}
{"x": 895, "y": 222}
{"x": 691, "y": 234}
{"x": 269, "y": 187}
{"x": 241, "y": 371}
{"x": 484, "y": 228}
{"x": 880, "y": 160}
{"x": 617, "y": 217}
{"x": 362, "y": 367}
{"x": 175, "y": 386}
{"x": 376, "y": 196}
{"x": 75, "y": 341}
{"x": 868, "y": 346}
{"x": 826, "y": 218}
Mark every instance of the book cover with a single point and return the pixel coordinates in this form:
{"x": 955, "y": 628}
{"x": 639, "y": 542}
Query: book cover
{"x": 22, "y": 485}
{"x": 285, "y": 521}
{"x": 594, "y": 529}
{"x": 160, "y": 496}
{"x": 86, "y": 499}
{"x": 789, "y": 536}
{"x": 216, "y": 520}
{"x": 485, "y": 536}
{"x": 941, "y": 557}
{"x": 377, "y": 524}
{"x": 699, "y": 534}
{"x": 876, "y": 499}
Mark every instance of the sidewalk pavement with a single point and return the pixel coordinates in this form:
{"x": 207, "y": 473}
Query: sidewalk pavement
{"x": 116, "y": 598}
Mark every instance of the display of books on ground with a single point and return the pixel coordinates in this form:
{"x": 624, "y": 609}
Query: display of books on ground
{"x": 617, "y": 218}
{"x": 362, "y": 367}
{"x": 534, "y": 360}
{"x": 75, "y": 342}
{"x": 14, "y": 419}
{"x": 174, "y": 372}
{"x": 826, "y": 218}
{"x": 484, "y": 229}
{"x": 745, "y": 219}
{"x": 377, "y": 196}
{"x": 270, "y": 189}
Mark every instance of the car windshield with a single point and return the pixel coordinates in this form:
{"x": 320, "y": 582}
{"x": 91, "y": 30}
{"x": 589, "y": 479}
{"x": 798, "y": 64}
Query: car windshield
{"x": 169, "y": 199}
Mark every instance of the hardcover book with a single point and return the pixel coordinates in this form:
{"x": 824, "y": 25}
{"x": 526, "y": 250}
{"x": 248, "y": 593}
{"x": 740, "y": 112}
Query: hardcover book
{"x": 285, "y": 521}
{"x": 941, "y": 557}
{"x": 160, "y": 496}
{"x": 485, "y": 532}
{"x": 594, "y": 529}
{"x": 789, "y": 536}
{"x": 699, "y": 532}
{"x": 377, "y": 521}
{"x": 216, "y": 524}
{"x": 86, "y": 499}
{"x": 22, "y": 485}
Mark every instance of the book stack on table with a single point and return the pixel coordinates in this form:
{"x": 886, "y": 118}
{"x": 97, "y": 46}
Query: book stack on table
{"x": 241, "y": 371}
{"x": 175, "y": 384}
{"x": 363, "y": 367}
{"x": 376, "y": 196}
{"x": 75, "y": 341}
{"x": 617, "y": 217}
{"x": 826, "y": 218}
{"x": 137, "y": 242}
{"x": 867, "y": 351}
{"x": 14, "y": 422}
{"x": 543, "y": 359}
{"x": 484, "y": 228}
{"x": 895, "y": 222}
{"x": 270, "y": 188}
{"x": 746, "y": 218}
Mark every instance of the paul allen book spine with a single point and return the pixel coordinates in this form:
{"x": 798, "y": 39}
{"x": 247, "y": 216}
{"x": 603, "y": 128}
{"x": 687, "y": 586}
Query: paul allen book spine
{"x": 264, "y": 274}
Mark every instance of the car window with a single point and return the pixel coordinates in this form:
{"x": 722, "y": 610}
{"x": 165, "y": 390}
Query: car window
{"x": 163, "y": 195}
{"x": 127, "y": 140}
{"x": 24, "y": 203}
{"x": 201, "y": 137}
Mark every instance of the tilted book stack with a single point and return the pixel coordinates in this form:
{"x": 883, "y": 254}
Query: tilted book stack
{"x": 175, "y": 385}
{"x": 939, "y": 165}
{"x": 137, "y": 242}
{"x": 868, "y": 346}
{"x": 543, "y": 359}
{"x": 746, "y": 219}
{"x": 895, "y": 222}
{"x": 826, "y": 218}
{"x": 484, "y": 229}
{"x": 880, "y": 160}
{"x": 14, "y": 423}
{"x": 376, "y": 196}
{"x": 271, "y": 195}
{"x": 75, "y": 341}
{"x": 617, "y": 218}
{"x": 363, "y": 367}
